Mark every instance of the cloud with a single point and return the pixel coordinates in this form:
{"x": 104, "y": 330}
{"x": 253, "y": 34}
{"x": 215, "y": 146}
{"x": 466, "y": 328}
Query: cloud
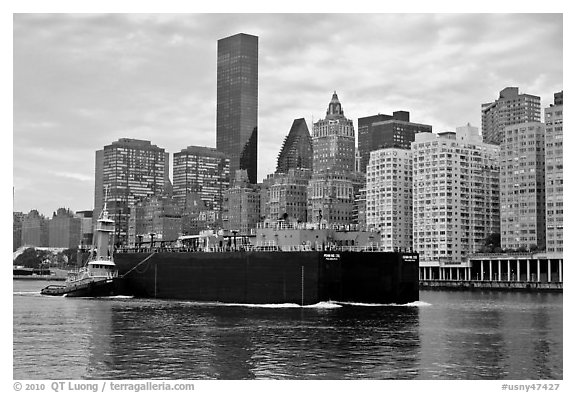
{"x": 75, "y": 176}
{"x": 84, "y": 81}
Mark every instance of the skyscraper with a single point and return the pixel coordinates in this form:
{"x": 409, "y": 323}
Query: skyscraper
{"x": 287, "y": 195}
{"x": 331, "y": 190}
{"x": 381, "y": 131}
{"x": 64, "y": 229}
{"x": 456, "y": 197}
{"x": 296, "y": 150}
{"x": 132, "y": 169}
{"x": 156, "y": 217}
{"x": 237, "y": 102}
{"x": 34, "y": 229}
{"x": 389, "y": 196}
{"x": 204, "y": 171}
{"x": 510, "y": 108}
{"x": 522, "y": 186}
{"x": 333, "y": 140}
{"x": 554, "y": 175}
{"x": 241, "y": 205}
{"x": 17, "y": 218}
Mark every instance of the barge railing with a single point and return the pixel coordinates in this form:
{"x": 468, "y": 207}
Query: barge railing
{"x": 264, "y": 246}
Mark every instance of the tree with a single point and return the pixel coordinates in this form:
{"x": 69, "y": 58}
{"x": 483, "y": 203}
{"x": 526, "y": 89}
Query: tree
{"x": 492, "y": 241}
{"x": 31, "y": 258}
{"x": 71, "y": 254}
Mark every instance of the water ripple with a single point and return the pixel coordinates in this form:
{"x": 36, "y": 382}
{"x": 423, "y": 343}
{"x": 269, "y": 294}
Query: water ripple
{"x": 445, "y": 335}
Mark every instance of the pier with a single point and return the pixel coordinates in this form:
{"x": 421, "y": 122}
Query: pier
{"x": 493, "y": 285}
{"x": 515, "y": 271}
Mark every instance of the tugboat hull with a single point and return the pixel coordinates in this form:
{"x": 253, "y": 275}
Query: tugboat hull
{"x": 96, "y": 288}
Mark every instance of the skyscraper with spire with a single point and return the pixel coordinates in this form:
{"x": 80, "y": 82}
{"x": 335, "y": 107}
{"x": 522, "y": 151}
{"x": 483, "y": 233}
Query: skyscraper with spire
{"x": 331, "y": 189}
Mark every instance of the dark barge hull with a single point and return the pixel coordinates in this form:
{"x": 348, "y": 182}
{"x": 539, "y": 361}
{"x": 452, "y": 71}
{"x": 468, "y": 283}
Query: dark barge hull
{"x": 260, "y": 277}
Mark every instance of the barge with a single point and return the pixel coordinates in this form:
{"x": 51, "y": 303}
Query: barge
{"x": 303, "y": 264}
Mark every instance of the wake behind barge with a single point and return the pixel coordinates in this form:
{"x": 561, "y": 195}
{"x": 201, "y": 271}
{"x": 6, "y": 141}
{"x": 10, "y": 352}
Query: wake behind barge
{"x": 279, "y": 264}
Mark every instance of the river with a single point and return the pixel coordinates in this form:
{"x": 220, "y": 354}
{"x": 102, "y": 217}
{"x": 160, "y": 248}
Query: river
{"x": 445, "y": 335}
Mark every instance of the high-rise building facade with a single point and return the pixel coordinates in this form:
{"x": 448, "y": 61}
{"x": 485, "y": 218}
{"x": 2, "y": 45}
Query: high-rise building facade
{"x": 86, "y": 228}
{"x": 522, "y": 187}
{"x": 296, "y": 152}
{"x": 510, "y": 108}
{"x": 196, "y": 217}
{"x": 157, "y": 217}
{"x": 64, "y": 229}
{"x": 237, "y": 102}
{"x": 456, "y": 195}
{"x": 241, "y": 205}
{"x": 203, "y": 171}
{"x": 360, "y": 208}
{"x": 131, "y": 169}
{"x": 287, "y": 195}
{"x": 389, "y": 197}
{"x": 34, "y": 229}
{"x": 381, "y": 131}
{"x": 333, "y": 140}
{"x": 331, "y": 189}
{"x": 17, "y": 218}
{"x": 554, "y": 175}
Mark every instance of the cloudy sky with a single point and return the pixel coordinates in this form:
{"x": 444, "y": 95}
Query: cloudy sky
{"x": 84, "y": 81}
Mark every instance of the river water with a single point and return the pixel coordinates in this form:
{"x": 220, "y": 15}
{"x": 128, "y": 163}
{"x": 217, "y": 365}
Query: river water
{"x": 445, "y": 335}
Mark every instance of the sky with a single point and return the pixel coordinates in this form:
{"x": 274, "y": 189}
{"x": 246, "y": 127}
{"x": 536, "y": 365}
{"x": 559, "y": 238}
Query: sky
{"x": 82, "y": 81}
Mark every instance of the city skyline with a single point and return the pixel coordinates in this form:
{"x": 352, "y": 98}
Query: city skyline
{"x": 82, "y": 82}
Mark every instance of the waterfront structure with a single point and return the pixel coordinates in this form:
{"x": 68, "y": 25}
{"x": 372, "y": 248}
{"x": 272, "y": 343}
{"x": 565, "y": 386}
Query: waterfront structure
{"x": 157, "y": 217}
{"x": 237, "y": 102}
{"x": 510, "y": 108}
{"x": 389, "y": 197}
{"x": 554, "y": 173}
{"x": 130, "y": 169}
{"x": 380, "y": 131}
{"x": 203, "y": 171}
{"x": 456, "y": 197}
{"x": 520, "y": 268}
{"x": 241, "y": 205}
{"x": 522, "y": 187}
{"x": 332, "y": 188}
{"x": 296, "y": 152}
{"x": 64, "y": 229}
{"x": 34, "y": 229}
{"x": 287, "y": 195}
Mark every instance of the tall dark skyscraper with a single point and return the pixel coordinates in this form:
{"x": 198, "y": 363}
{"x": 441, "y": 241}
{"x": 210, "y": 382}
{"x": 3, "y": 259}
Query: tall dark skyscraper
{"x": 237, "y": 102}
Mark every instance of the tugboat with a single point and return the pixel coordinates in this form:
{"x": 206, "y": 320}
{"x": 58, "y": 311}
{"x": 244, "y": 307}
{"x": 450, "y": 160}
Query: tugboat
{"x": 99, "y": 277}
